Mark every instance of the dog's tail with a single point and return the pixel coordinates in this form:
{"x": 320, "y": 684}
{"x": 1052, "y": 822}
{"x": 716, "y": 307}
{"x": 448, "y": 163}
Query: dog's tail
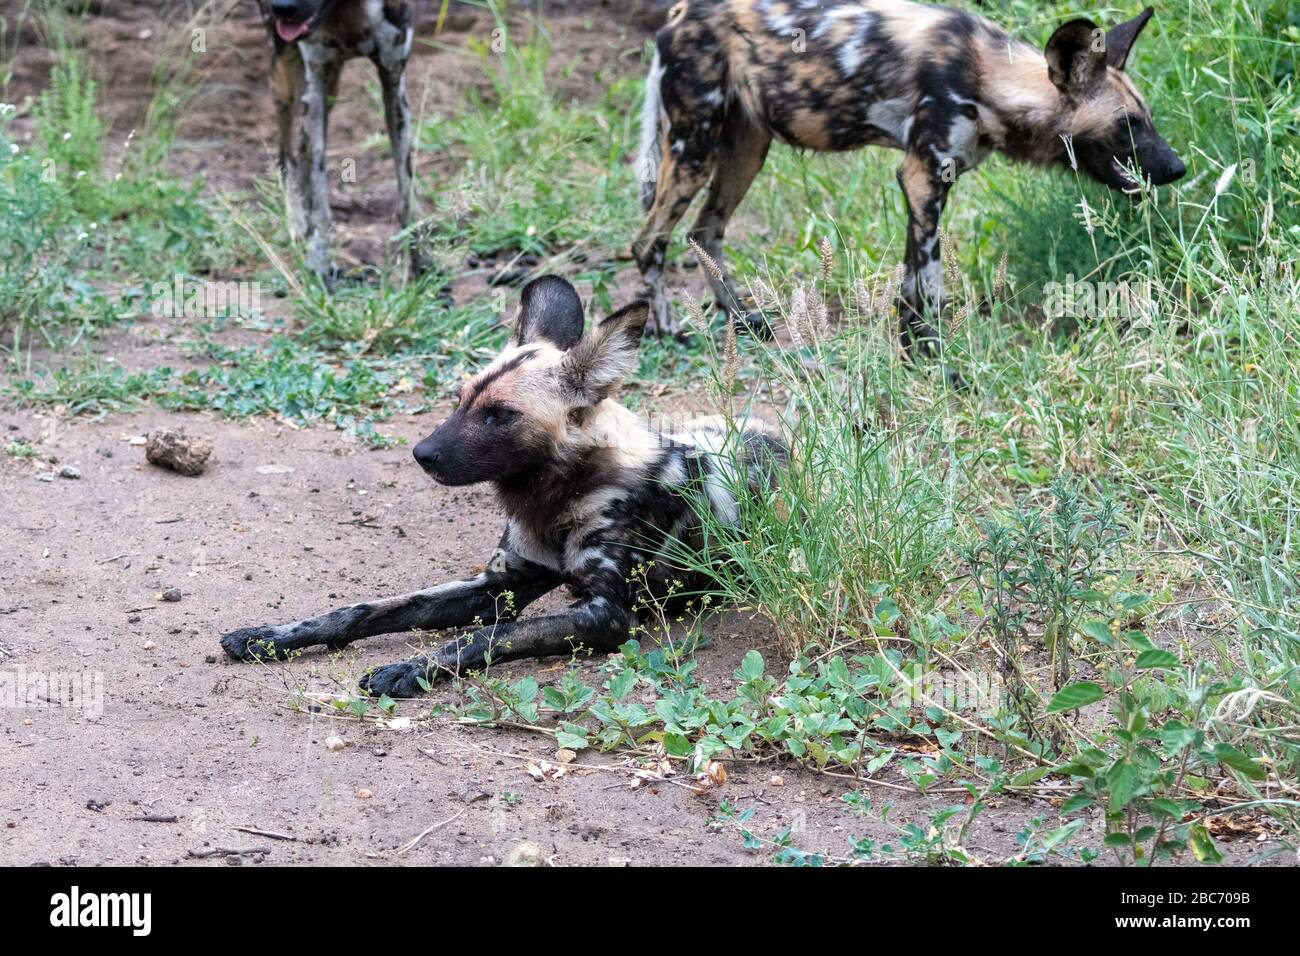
{"x": 650, "y": 153}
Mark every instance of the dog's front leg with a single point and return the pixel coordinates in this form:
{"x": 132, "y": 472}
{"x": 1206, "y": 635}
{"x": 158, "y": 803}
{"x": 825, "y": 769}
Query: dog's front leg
{"x": 322, "y": 78}
{"x": 288, "y": 82}
{"x": 508, "y": 585}
{"x": 597, "y": 624}
{"x": 926, "y": 189}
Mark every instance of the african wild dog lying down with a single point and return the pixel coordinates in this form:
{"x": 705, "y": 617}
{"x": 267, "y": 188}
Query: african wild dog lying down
{"x": 310, "y": 41}
{"x": 945, "y": 86}
{"x": 589, "y": 494}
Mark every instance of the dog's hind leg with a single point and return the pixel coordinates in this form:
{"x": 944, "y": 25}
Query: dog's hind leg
{"x": 596, "y": 625}
{"x": 743, "y": 150}
{"x": 508, "y": 585}
{"x": 689, "y": 92}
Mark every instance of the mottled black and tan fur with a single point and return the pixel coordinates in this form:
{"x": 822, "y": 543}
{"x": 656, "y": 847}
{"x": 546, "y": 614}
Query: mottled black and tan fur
{"x": 589, "y": 491}
{"x": 310, "y": 42}
{"x": 945, "y": 86}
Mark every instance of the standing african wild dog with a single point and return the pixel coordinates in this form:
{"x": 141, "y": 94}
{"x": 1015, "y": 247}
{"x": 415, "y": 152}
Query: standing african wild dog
{"x": 589, "y": 493}
{"x": 945, "y": 86}
{"x": 310, "y": 41}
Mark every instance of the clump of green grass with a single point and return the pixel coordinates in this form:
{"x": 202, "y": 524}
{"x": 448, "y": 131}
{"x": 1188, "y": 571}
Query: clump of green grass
{"x": 82, "y": 220}
{"x": 92, "y": 388}
{"x": 541, "y": 175}
{"x": 299, "y": 385}
{"x": 42, "y": 244}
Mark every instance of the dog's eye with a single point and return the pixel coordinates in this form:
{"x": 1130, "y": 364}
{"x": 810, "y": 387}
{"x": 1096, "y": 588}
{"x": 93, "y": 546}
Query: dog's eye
{"x": 498, "y": 415}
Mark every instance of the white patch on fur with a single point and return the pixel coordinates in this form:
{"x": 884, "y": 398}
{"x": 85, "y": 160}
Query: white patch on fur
{"x": 782, "y": 24}
{"x": 523, "y": 544}
{"x": 931, "y": 279}
{"x": 964, "y": 141}
{"x": 830, "y": 17}
{"x": 718, "y": 485}
{"x": 893, "y": 116}
{"x": 674, "y": 473}
{"x": 853, "y": 51}
{"x": 652, "y": 119}
{"x": 710, "y": 436}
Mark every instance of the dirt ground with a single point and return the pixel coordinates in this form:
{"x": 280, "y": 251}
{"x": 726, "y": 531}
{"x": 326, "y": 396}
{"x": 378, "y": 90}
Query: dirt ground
{"x": 190, "y": 747}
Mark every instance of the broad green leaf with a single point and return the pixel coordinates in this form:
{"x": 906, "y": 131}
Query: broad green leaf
{"x": 1156, "y": 658}
{"x": 1099, "y": 631}
{"x": 1123, "y": 782}
{"x": 1080, "y": 801}
{"x": 751, "y": 668}
{"x": 1203, "y": 847}
{"x": 621, "y": 684}
{"x": 1230, "y": 756}
{"x": 571, "y": 736}
{"x": 1075, "y": 696}
{"x": 1032, "y": 775}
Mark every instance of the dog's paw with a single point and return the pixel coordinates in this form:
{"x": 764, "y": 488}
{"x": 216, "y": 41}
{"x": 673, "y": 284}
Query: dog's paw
{"x": 402, "y": 679}
{"x": 251, "y": 644}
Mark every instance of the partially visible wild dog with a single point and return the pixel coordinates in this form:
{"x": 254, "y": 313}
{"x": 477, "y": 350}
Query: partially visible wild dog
{"x": 310, "y": 41}
{"x": 944, "y": 86}
{"x": 589, "y": 494}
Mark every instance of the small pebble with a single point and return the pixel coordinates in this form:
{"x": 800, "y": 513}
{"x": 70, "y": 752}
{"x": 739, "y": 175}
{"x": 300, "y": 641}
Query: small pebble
{"x": 67, "y": 471}
{"x": 171, "y": 595}
{"x": 335, "y": 744}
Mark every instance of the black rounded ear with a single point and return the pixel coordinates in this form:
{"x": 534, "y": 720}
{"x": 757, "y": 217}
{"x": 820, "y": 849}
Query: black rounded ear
{"x": 1119, "y": 39}
{"x": 1076, "y": 56}
{"x": 549, "y": 309}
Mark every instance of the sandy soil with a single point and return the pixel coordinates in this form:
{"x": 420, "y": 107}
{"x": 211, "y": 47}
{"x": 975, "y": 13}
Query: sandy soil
{"x": 189, "y": 747}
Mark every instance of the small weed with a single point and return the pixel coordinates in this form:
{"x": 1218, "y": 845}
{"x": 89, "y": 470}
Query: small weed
{"x": 20, "y": 450}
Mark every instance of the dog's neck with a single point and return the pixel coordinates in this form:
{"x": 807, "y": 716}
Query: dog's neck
{"x": 1024, "y": 113}
{"x": 608, "y": 443}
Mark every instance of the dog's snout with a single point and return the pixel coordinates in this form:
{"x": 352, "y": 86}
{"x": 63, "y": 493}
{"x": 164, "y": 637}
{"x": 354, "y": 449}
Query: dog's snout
{"x": 284, "y": 8}
{"x": 426, "y": 455}
{"x": 1176, "y": 170}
